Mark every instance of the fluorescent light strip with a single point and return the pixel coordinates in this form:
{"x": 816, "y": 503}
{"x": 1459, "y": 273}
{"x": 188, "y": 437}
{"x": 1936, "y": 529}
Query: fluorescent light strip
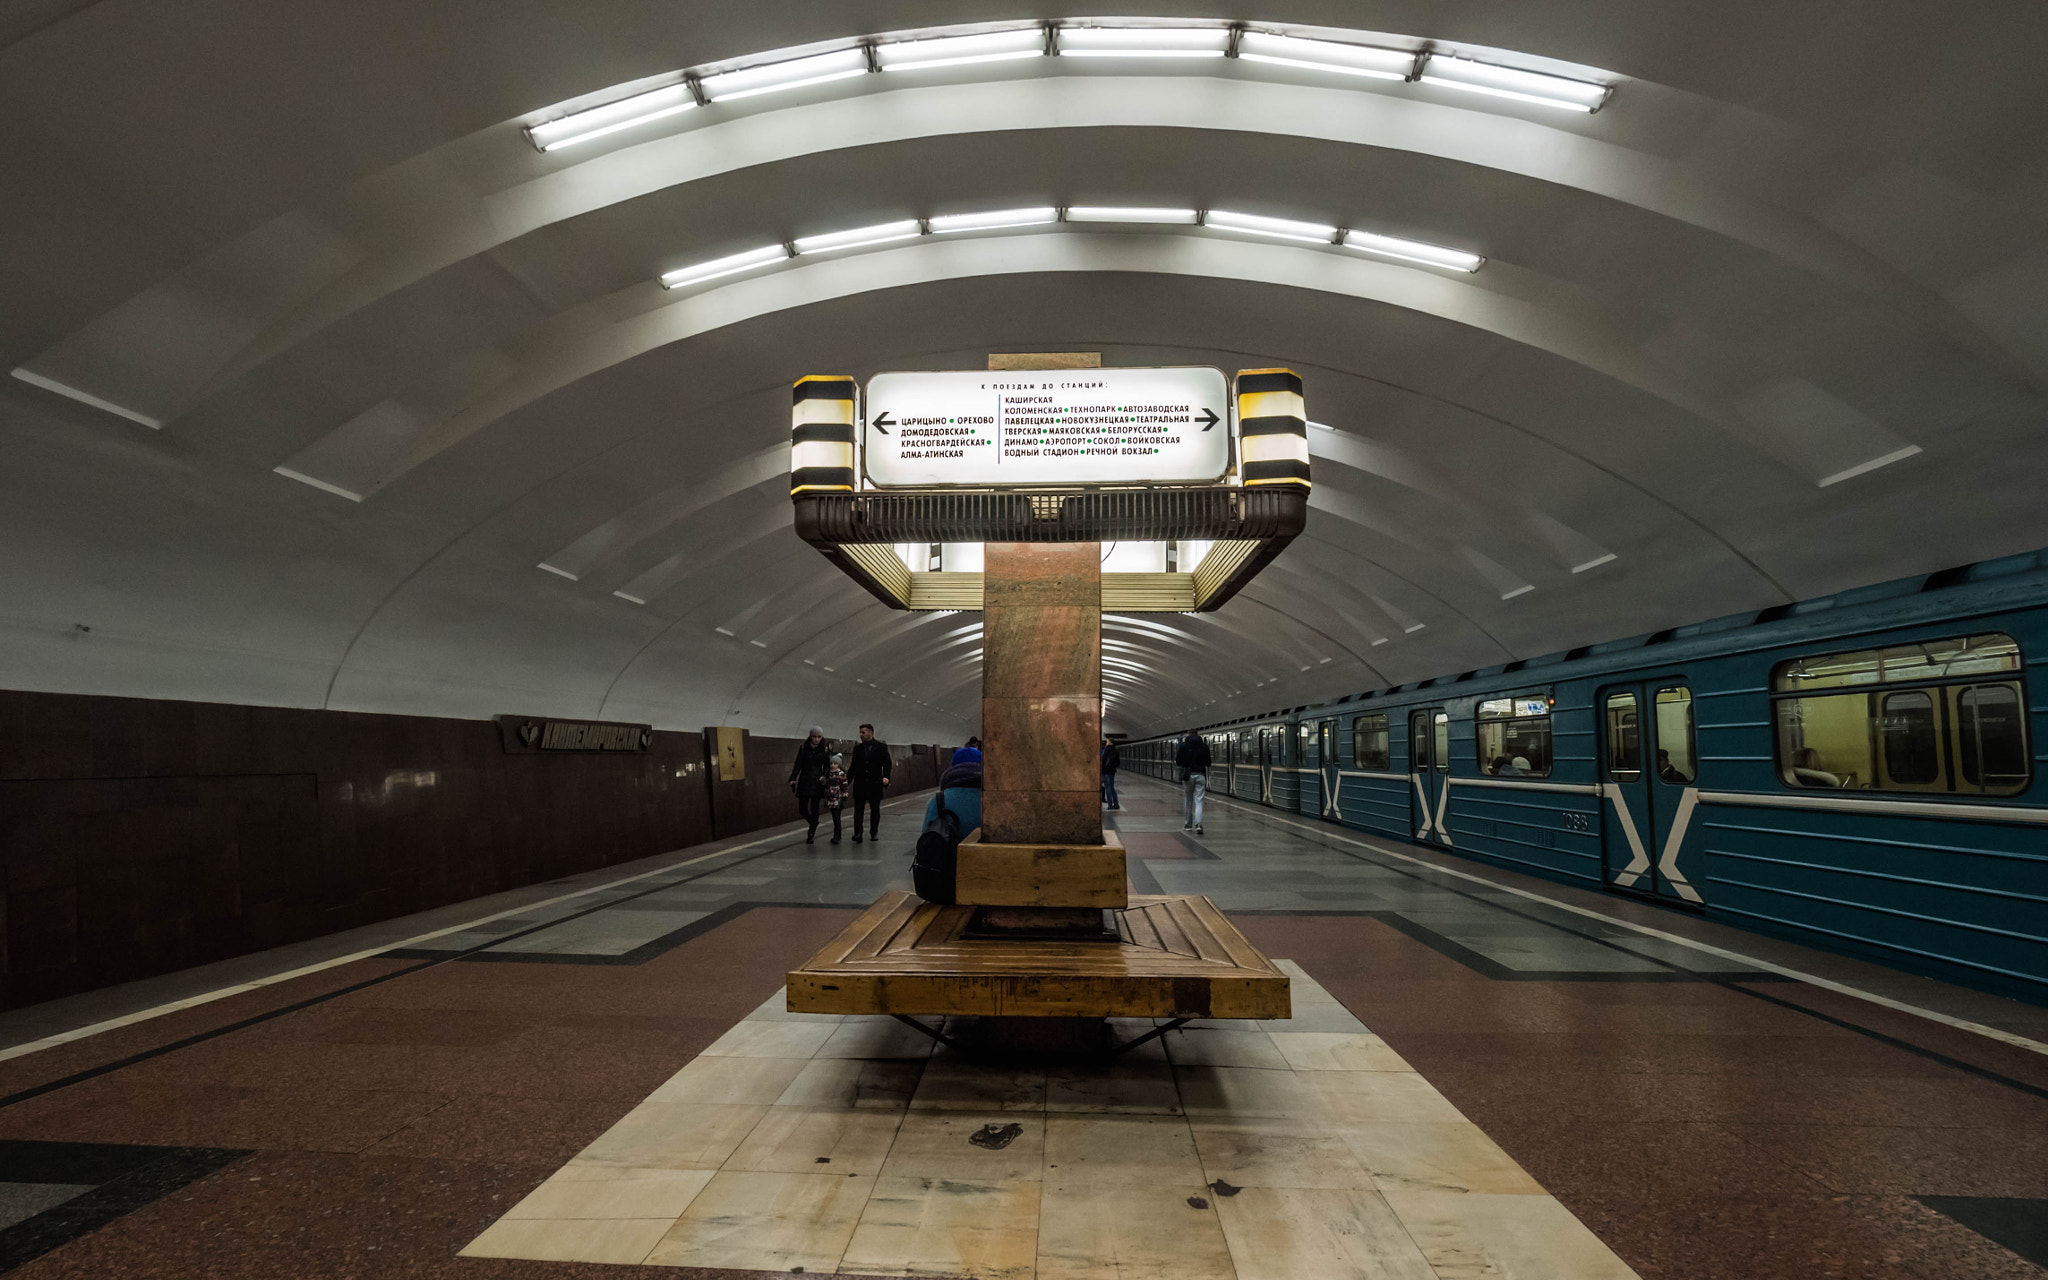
{"x": 1143, "y": 42}
{"x": 1326, "y": 55}
{"x": 796, "y": 73}
{"x": 859, "y": 237}
{"x": 596, "y": 122}
{"x": 1429, "y": 255}
{"x": 725, "y": 266}
{"x": 1520, "y": 86}
{"x": 73, "y": 393}
{"x": 1114, "y": 213}
{"x": 993, "y": 221}
{"x": 1278, "y": 228}
{"x": 340, "y": 492}
{"x": 960, "y": 51}
{"x": 1414, "y": 251}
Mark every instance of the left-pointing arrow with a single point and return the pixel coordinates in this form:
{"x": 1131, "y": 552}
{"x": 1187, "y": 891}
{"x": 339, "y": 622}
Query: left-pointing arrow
{"x": 881, "y": 422}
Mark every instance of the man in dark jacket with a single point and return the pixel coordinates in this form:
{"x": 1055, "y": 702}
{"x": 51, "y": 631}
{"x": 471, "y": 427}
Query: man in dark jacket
{"x": 1110, "y": 761}
{"x": 870, "y": 773}
{"x": 808, "y": 775}
{"x": 1193, "y": 760}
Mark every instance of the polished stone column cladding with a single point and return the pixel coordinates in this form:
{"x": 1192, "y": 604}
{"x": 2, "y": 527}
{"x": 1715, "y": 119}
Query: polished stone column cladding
{"x": 1041, "y": 693}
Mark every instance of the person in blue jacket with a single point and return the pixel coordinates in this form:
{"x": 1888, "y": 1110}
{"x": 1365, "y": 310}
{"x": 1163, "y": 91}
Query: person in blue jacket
{"x": 960, "y": 789}
{"x": 934, "y": 860}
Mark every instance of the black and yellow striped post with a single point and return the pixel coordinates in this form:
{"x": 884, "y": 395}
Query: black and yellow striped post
{"x": 1272, "y": 428}
{"x": 821, "y": 435}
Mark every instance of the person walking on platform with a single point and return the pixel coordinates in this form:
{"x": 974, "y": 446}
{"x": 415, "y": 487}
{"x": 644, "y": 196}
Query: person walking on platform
{"x": 836, "y": 786}
{"x": 1193, "y": 760}
{"x": 870, "y": 774}
{"x": 1110, "y": 761}
{"x": 807, "y": 775}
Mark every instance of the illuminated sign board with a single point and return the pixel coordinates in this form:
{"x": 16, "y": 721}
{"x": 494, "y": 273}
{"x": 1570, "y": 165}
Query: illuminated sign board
{"x": 1055, "y": 427}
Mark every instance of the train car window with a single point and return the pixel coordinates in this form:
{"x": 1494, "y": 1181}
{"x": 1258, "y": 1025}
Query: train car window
{"x": 1288, "y": 756}
{"x": 1991, "y": 738}
{"x": 1900, "y": 664}
{"x": 1306, "y": 754}
{"x": 1369, "y": 743}
{"x": 1912, "y": 749}
{"x": 1624, "y": 738}
{"x": 1513, "y": 736}
{"x": 1442, "y": 751}
{"x": 1843, "y": 721}
{"x": 1418, "y": 741}
{"x": 1676, "y": 761}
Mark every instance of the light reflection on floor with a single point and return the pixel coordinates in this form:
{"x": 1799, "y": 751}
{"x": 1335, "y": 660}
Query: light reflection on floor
{"x": 1292, "y": 1150}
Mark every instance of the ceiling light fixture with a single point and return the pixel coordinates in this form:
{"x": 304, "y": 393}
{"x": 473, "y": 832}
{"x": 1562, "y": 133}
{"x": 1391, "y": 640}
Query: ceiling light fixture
{"x": 1143, "y": 42}
{"x": 859, "y": 237}
{"x": 1278, "y": 228}
{"x": 796, "y": 73}
{"x": 1327, "y": 55}
{"x": 959, "y": 51}
{"x": 1114, "y": 213}
{"x": 1507, "y": 82}
{"x": 993, "y": 221}
{"x": 596, "y": 122}
{"x": 1430, "y": 255}
{"x": 73, "y": 393}
{"x": 725, "y": 266}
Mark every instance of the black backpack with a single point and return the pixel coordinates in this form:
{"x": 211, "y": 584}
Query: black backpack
{"x": 933, "y": 866}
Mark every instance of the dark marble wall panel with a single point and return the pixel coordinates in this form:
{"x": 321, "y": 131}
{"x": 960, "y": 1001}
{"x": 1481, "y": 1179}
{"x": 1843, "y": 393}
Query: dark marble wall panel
{"x": 138, "y": 837}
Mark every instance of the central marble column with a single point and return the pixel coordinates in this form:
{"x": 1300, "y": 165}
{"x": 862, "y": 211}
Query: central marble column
{"x": 1041, "y": 693}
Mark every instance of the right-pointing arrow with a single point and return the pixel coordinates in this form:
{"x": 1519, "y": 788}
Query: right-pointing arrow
{"x": 1208, "y": 419}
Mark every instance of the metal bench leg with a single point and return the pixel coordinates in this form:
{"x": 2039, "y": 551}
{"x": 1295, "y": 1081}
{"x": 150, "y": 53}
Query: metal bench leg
{"x": 1154, "y": 1033}
{"x": 933, "y": 1032}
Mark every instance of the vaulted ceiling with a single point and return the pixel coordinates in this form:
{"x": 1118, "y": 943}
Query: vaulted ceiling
{"x": 319, "y": 359}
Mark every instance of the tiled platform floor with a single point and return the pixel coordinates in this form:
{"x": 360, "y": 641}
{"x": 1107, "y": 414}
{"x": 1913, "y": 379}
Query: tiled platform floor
{"x": 1294, "y": 1150}
{"x": 1704, "y": 1121}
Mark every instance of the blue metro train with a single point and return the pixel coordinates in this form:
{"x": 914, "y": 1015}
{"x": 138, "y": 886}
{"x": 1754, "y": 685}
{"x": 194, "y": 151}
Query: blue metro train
{"x": 1860, "y": 772}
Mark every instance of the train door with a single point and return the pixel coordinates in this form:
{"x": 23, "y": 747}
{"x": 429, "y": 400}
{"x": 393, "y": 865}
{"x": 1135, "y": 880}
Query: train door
{"x": 1648, "y": 765}
{"x": 1219, "y": 762}
{"x": 1286, "y": 767}
{"x": 1308, "y": 794}
{"x": 1429, "y": 766}
{"x": 1268, "y": 750}
{"x": 1333, "y": 772}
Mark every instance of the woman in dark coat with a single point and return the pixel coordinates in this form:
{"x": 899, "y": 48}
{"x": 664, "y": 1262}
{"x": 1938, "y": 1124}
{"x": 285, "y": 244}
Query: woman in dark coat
{"x": 807, "y": 779}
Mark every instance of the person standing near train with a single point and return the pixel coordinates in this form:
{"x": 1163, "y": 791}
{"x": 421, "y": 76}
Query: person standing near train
{"x": 870, "y": 774}
{"x": 1193, "y": 760}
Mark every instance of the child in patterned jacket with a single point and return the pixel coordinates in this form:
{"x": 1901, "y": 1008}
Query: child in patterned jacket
{"x": 837, "y": 784}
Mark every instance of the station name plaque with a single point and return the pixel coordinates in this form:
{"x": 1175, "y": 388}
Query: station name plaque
{"x": 1061, "y": 427}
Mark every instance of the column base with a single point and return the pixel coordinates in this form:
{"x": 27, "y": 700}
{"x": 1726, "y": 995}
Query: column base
{"x": 1064, "y": 924}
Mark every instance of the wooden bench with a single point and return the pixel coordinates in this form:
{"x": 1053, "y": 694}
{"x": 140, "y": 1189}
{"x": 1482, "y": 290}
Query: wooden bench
{"x": 1173, "y": 957}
